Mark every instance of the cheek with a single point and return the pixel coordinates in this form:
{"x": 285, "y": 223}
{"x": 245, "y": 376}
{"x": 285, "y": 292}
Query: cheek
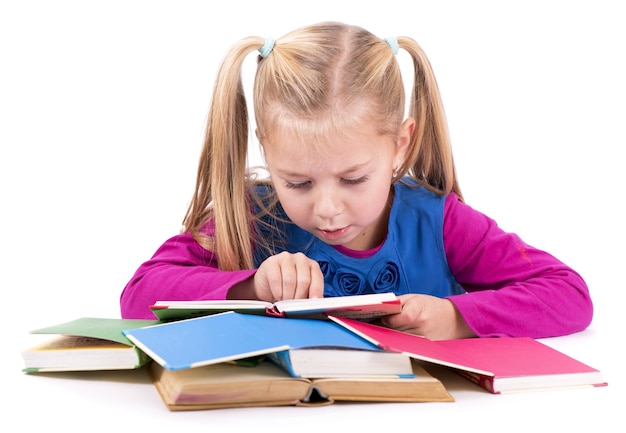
{"x": 372, "y": 204}
{"x": 294, "y": 206}
{"x": 371, "y": 207}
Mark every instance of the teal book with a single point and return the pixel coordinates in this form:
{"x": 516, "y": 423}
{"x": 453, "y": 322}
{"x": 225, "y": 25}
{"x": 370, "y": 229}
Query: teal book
{"x": 87, "y": 343}
{"x": 233, "y": 336}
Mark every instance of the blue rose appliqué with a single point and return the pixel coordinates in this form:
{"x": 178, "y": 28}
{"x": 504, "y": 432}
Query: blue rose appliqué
{"x": 348, "y": 282}
{"x": 326, "y": 268}
{"x": 385, "y": 278}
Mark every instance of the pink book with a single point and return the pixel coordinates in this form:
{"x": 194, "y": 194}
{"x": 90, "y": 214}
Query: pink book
{"x": 496, "y": 364}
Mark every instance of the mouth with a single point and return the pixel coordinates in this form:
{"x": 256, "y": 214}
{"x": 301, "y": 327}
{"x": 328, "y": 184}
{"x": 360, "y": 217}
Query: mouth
{"x": 332, "y": 234}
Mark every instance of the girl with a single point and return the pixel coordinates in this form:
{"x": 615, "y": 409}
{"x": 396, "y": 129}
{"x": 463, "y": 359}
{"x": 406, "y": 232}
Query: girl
{"x": 359, "y": 200}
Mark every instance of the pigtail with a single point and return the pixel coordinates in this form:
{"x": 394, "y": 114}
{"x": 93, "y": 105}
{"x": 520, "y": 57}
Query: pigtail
{"x": 222, "y": 183}
{"x": 433, "y": 162}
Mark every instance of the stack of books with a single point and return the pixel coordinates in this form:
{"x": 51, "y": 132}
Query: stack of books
{"x": 219, "y": 354}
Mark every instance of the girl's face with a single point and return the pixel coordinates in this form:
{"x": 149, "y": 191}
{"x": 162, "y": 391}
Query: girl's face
{"x": 338, "y": 189}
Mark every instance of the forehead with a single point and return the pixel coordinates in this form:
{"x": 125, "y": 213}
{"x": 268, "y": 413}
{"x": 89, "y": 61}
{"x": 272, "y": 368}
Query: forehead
{"x": 290, "y": 150}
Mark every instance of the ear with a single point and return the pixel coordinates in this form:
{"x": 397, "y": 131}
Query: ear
{"x": 404, "y": 140}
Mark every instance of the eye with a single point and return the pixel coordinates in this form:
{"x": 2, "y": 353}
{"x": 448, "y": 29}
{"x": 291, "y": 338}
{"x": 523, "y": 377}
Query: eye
{"x": 299, "y": 185}
{"x": 355, "y": 181}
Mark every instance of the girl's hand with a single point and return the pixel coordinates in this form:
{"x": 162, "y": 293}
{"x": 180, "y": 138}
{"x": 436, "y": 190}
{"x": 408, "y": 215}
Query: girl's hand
{"x": 429, "y": 316}
{"x": 288, "y": 276}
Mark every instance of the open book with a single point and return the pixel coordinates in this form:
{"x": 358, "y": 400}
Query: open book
{"x": 228, "y": 385}
{"x": 499, "y": 365}
{"x": 87, "y": 343}
{"x": 356, "y": 307}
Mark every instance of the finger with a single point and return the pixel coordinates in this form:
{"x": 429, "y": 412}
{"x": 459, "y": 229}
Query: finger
{"x": 316, "y": 287}
{"x": 404, "y": 320}
{"x": 266, "y": 278}
{"x": 399, "y": 323}
{"x": 288, "y": 264}
{"x": 270, "y": 275}
{"x": 305, "y": 269}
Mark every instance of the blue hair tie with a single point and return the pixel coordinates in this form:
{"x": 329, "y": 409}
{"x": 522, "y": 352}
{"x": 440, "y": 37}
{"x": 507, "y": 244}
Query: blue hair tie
{"x": 393, "y": 44}
{"x": 267, "y": 47}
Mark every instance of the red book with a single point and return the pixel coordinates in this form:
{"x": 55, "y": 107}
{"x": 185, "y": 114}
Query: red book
{"x": 497, "y": 364}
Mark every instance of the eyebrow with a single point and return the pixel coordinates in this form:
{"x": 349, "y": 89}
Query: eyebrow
{"x": 357, "y": 167}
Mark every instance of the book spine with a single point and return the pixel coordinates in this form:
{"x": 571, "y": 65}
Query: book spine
{"x": 283, "y": 360}
{"x": 481, "y": 380}
{"x": 274, "y": 312}
{"x": 142, "y": 357}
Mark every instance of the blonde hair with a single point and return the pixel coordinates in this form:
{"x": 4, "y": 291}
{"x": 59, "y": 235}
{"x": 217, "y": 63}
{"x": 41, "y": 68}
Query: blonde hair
{"x": 315, "y": 80}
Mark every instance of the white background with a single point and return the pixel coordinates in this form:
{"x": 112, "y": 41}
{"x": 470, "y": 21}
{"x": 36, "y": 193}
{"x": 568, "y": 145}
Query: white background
{"x": 103, "y": 103}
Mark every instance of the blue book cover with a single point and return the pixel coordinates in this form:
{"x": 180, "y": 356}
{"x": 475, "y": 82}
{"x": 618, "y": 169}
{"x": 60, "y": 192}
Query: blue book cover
{"x": 232, "y": 336}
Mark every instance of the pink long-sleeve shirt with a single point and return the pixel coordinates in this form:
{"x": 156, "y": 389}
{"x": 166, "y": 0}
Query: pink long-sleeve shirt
{"x": 513, "y": 289}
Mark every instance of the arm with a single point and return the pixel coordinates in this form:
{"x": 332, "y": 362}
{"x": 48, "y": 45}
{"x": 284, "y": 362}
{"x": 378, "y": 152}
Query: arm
{"x": 180, "y": 270}
{"x": 513, "y": 288}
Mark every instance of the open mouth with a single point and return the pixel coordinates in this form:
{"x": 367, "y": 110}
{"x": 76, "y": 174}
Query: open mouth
{"x": 333, "y": 234}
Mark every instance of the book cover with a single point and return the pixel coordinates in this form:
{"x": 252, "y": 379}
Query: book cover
{"x": 368, "y": 306}
{"x": 86, "y": 343}
{"x": 497, "y": 364}
{"x": 227, "y": 385}
{"x": 231, "y": 336}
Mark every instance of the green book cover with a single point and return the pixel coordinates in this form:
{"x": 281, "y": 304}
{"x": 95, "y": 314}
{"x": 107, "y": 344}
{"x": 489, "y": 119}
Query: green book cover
{"x": 106, "y": 329}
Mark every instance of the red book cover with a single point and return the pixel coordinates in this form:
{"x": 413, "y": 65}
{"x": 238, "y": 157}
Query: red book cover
{"x": 497, "y": 364}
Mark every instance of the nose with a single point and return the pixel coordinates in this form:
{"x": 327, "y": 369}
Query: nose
{"x": 328, "y": 203}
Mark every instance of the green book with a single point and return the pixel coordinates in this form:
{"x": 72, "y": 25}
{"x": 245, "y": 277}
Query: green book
{"x": 87, "y": 343}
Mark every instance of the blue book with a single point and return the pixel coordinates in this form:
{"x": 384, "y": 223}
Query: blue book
{"x": 233, "y": 336}
{"x": 329, "y": 362}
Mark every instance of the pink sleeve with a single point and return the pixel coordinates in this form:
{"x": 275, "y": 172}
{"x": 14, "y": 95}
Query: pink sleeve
{"x": 180, "y": 270}
{"x": 513, "y": 288}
